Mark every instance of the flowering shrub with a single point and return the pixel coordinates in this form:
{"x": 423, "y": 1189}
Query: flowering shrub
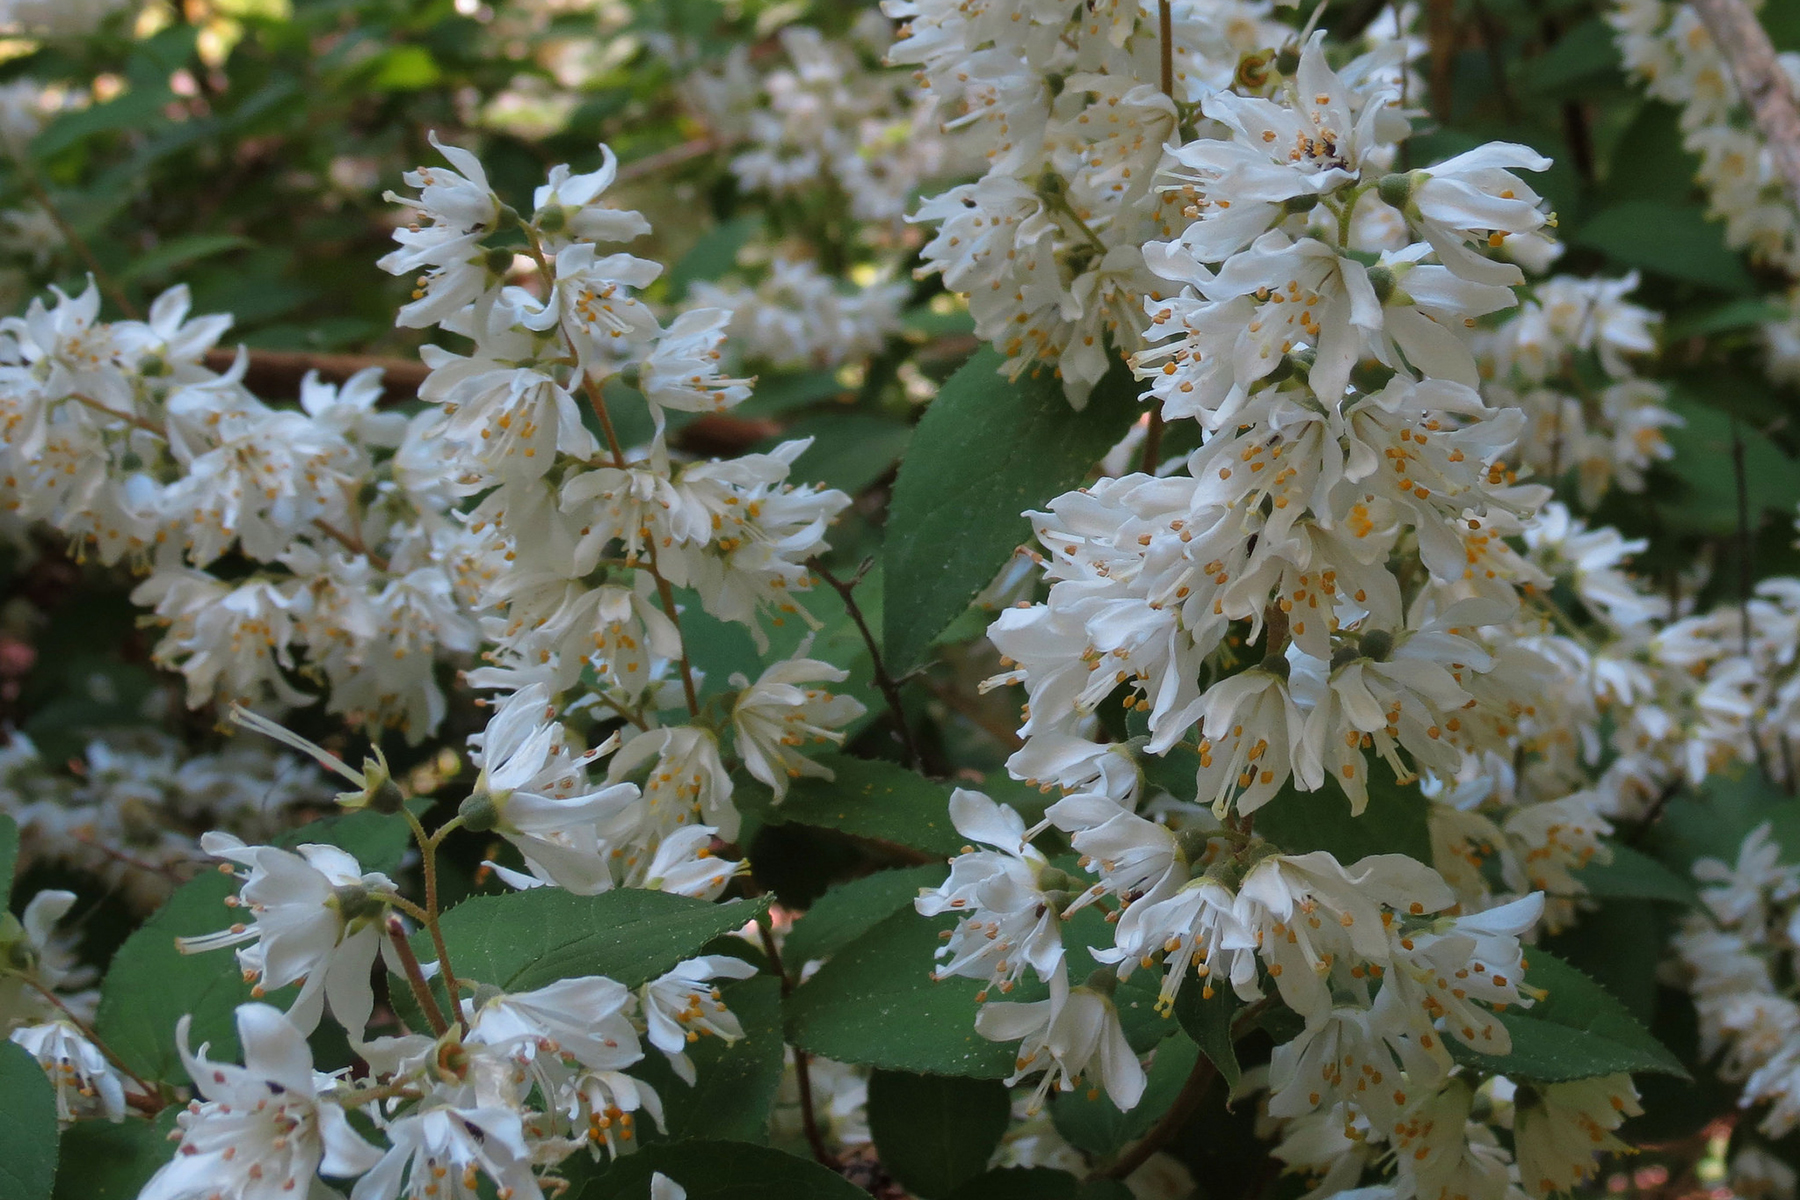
{"x": 953, "y": 599}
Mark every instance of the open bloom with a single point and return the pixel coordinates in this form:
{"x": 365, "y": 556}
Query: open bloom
{"x": 315, "y": 920}
{"x": 683, "y": 1004}
{"x": 1074, "y": 1033}
{"x": 779, "y": 713}
{"x": 263, "y": 1130}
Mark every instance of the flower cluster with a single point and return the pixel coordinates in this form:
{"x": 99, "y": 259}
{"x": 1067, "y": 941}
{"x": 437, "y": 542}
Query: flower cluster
{"x": 797, "y": 317}
{"x": 1566, "y": 359}
{"x": 119, "y": 437}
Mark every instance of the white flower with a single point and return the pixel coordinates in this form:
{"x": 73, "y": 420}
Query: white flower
{"x": 587, "y": 1019}
{"x": 682, "y": 1005}
{"x": 664, "y": 1188}
{"x": 778, "y": 713}
{"x": 86, "y": 1084}
{"x": 1559, "y": 1128}
{"x": 1074, "y": 1033}
{"x": 264, "y": 1129}
{"x": 1010, "y": 923}
{"x": 441, "y": 1153}
{"x": 316, "y": 920}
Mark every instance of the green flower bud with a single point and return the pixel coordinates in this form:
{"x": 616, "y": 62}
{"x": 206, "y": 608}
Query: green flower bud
{"x": 1377, "y": 644}
{"x": 479, "y": 811}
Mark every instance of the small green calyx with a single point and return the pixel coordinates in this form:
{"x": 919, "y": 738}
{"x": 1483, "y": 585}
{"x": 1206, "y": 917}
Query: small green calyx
{"x": 498, "y": 261}
{"x": 1054, "y": 879}
{"x": 1276, "y": 665}
{"x": 1377, "y": 644}
{"x": 480, "y": 812}
{"x": 1192, "y": 843}
{"x": 1103, "y": 981}
{"x": 1384, "y": 283}
{"x": 1397, "y": 189}
{"x": 1301, "y": 204}
{"x": 15, "y": 949}
{"x": 357, "y": 903}
{"x": 553, "y": 220}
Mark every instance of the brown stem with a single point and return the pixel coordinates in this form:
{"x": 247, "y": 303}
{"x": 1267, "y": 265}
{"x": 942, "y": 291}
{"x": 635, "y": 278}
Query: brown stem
{"x": 890, "y": 690}
{"x": 1747, "y": 51}
{"x": 809, "y": 1120}
{"x": 1165, "y": 30}
{"x": 102, "y": 276}
{"x": 396, "y": 931}
{"x": 1199, "y": 1080}
{"x": 673, "y": 156}
{"x": 143, "y": 423}
{"x": 350, "y": 542}
{"x": 87, "y": 1031}
{"x": 428, "y": 855}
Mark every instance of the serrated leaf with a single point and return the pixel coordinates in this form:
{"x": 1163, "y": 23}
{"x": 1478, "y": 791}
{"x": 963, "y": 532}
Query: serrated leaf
{"x": 934, "y": 1132}
{"x": 1088, "y": 1120}
{"x": 986, "y": 451}
{"x": 1395, "y": 821}
{"x": 714, "y": 1170}
{"x": 875, "y": 1003}
{"x": 1209, "y": 1023}
{"x": 1579, "y": 1030}
{"x": 150, "y": 985}
{"x": 103, "y": 1161}
{"x": 848, "y": 911}
{"x": 27, "y": 1126}
{"x": 868, "y": 798}
{"x": 525, "y": 940}
{"x": 1634, "y": 875}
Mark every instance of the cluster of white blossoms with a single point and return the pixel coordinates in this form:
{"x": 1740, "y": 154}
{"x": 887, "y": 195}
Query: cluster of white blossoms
{"x": 574, "y": 544}
{"x": 1335, "y": 573}
{"x": 1565, "y": 359}
{"x": 119, "y": 438}
{"x": 1049, "y": 245}
{"x": 1666, "y": 46}
{"x": 56, "y": 18}
{"x": 131, "y": 815}
{"x": 829, "y": 118}
{"x": 1739, "y": 955}
{"x": 798, "y": 318}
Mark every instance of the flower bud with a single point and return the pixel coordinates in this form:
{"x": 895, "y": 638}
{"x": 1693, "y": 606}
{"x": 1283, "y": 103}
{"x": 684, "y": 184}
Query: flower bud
{"x": 479, "y": 811}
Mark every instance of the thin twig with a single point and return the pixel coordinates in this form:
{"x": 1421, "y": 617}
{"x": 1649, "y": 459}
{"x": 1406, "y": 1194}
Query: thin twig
{"x": 1746, "y": 576}
{"x": 673, "y": 156}
{"x": 102, "y": 276}
{"x": 890, "y": 690}
{"x": 350, "y": 542}
{"x": 809, "y": 1120}
{"x": 421, "y": 990}
{"x": 87, "y": 1031}
{"x": 1761, "y": 82}
{"x": 428, "y": 847}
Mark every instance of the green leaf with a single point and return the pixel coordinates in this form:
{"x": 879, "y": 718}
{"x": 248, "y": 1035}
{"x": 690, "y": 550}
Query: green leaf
{"x": 1584, "y": 55}
{"x": 9, "y": 851}
{"x": 403, "y": 69}
{"x": 1579, "y": 1030}
{"x": 150, "y": 984}
{"x": 1088, "y": 1120}
{"x": 525, "y": 940}
{"x": 1723, "y": 318}
{"x": 27, "y": 1126}
{"x": 736, "y": 1083}
{"x": 378, "y": 841}
{"x": 1669, "y": 239}
{"x": 1703, "y": 460}
{"x": 1395, "y": 821}
{"x": 986, "y": 451}
{"x": 875, "y": 1003}
{"x": 850, "y": 450}
{"x": 1634, "y": 875}
{"x": 713, "y": 255}
{"x": 1038, "y": 1183}
{"x": 934, "y": 1132}
{"x": 717, "y": 1170}
{"x": 850, "y": 910}
{"x": 179, "y": 252}
{"x": 868, "y": 799}
{"x": 1209, "y": 1023}
{"x": 103, "y": 1161}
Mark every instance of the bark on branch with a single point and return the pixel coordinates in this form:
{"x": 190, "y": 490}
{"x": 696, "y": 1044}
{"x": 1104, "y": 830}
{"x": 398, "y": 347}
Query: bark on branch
{"x": 1761, "y": 82}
